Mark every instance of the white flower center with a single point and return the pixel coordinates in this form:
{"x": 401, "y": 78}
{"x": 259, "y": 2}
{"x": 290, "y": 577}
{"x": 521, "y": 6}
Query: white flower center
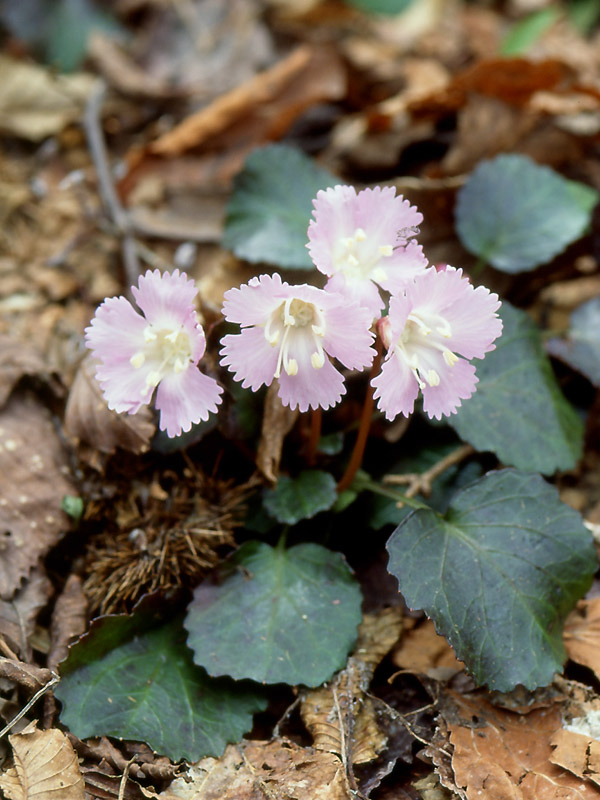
{"x": 359, "y": 257}
{"x": 296, "y": 326}
{"x": 423, "y": 337}
{"x": 165, "y": 351}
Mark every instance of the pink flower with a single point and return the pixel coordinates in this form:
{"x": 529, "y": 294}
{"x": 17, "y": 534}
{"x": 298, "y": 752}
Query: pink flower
{"x": 439, "y": 316}
{"x": 362, "y": 240}
{"x": 287, "y": 334}
{"x": 159, "y": 350}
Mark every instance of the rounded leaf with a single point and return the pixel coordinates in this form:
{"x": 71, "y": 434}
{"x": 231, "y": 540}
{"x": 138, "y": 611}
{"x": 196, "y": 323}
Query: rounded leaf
{"x": 516, "y": 214}
{"x": 498, "y": 574}
{"x": 276, "y": 615}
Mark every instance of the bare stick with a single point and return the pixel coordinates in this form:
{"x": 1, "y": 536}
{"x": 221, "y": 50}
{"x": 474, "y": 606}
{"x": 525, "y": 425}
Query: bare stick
{"x": 110, "y": 200}
{"x": 421, "y": 483}
{"x": 54, "y": 680}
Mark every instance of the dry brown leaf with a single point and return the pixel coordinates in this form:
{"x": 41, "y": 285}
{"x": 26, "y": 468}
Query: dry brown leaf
{"x": 69, "y": 619}
{"x": 341, "y": 717}
{"x": 276, "y": 770}
{"x": 422, "y": 649}
{"x": 278, "y": 421}
{"x": 36, "y": 102}
{"x": 512, "y": 80}
{"x": 259, "y": 111}
{"x": 45, "y": 768}
{"x": 88, "y": 419}
{"x": 18, "y": 615}
{"x": 16, "y": 360}
{"x": 29, "y": 676}
{"x": 581, "y": 634}
{"x": 578, "y": 753}
{"x": 501, "y": 755}
{"x": 257, "y": 93}
{"x": 34, "y": 478}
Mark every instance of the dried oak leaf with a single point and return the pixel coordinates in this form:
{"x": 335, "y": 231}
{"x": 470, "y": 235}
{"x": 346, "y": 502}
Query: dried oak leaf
{"x": 45, "y": 767}
{"x": 88, "y": 419}
{"x": 422, "y": 649}
{"x": 501, "y": 755}
{"x": 69, "y": 620}
{"x": 16, "y": 360}
{"x": 36, "y": 102}
{"x": 18, "y": 615}
{"x": 341, "y": 717}
{"x": 263, "y": 771}
{"x": 581, "y": 634}
{"x": 34, "y": 478}
{"x": 578, "y": 753}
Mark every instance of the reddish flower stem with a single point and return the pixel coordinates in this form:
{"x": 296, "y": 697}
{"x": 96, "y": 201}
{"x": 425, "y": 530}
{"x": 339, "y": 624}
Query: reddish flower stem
{"x": 363, "y": 429}
{"x": 316, "y": 416}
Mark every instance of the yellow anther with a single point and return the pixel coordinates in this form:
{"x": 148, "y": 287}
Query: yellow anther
{"x": 137, "y": 360}
{"x": 317, "y": 360}
{"x": 291, "y": 367}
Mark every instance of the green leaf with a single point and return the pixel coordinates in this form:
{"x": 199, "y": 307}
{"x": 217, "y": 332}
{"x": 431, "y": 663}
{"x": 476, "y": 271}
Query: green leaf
{"x": 527, "y": 31}
{"x": 73, "y": 506}
{"x": 518, "y": 410}
{"x": 498, "y": 574}
{"x": 581, "y": 348}
{"x": 70, "y": 24}
{"x": 299, "y": 498}
{"x": 518, "y": 215}
{"x": 276, "y": 615}
{"x": 387, "y": 7}
{"x": 128, "y": 679}
{"x": 271, "y": 206}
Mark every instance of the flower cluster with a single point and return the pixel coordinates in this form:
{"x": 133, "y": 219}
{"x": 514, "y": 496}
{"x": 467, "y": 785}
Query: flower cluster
{"x": 364, "y": 242}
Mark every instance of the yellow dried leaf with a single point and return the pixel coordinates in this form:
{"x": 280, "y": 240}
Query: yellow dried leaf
{"x": 45, "y": 767}
{"x": 35, "y": 103}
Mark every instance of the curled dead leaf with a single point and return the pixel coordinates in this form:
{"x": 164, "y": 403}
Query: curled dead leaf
{"x": 278, "y": 421}
{"x": 88, "y": 419}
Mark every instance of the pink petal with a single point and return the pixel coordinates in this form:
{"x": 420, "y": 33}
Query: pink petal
{"x": 457, "y": 383}
{"x": 186, "y": 398}
{"x": 165, "y": 298}
{"x": 312, "y": 388}
{"x": 360, "y": 292}
{"x": 348, "y": 336}
{"x": 116, "y": 331}
{"x": 250, "y": 357}
{"x": 252, "y": 303}
{"x": 396, "y": 388}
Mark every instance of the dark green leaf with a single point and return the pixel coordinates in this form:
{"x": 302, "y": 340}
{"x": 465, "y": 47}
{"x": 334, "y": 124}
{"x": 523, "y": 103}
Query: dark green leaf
{"x": 518, "y": 410}
{"x": 271, "y": 206}
{"x": 517, "y": 214}
{"x": 299, "y": 498}
{"x": 134, "y": 681}
{"x": 276, "y": 615}
{"x": 70, "y": 24}
{"x": 581, "y": 348}
{"x": 498, "y": 574}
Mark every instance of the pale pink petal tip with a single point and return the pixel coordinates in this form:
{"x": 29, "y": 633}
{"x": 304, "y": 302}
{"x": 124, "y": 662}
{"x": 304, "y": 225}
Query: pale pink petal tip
{"x": 433, "y": 328}
{"x": 289, "y": 334}
{"x": 365, "y": 238}
{"x": 156, "y": 351}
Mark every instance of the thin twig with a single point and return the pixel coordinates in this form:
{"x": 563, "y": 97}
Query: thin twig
{"x": 52, "y": 682}
{"x": 124, "y": 778}
{"x": 421, "y": 483}
{"x": 110, "y": 200}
